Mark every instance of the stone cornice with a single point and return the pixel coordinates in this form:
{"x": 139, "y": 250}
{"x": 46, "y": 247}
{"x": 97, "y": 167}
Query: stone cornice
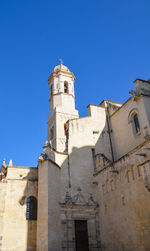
{"x": 41, "y": 159}
{"x": 61, "y": 93}
{"x": 26, "y": 179}
{"x": 50, "y": 147}
{"x": 65, "y": 206}
{"x": 61, "y": 72}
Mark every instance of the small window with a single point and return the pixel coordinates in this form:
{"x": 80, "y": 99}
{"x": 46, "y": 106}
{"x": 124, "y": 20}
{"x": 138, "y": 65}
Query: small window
{"x": 112, "y": 185}
{"x": 123, "y": 200}
{"x": 31, "y": 213}
{"x": 103, "y": 188}
{"x": 128, "y": 176}
{"x": 52, "y": 133}
{"x": 106, "y": 207}
{"x": 133, "y": 118}
{"x": 107, "y": 186}
{"x": 132, "y": 172}
{"x": 65, "y": 129}
{"x": 66, "y": 87}
{"x": 136, "y": 123}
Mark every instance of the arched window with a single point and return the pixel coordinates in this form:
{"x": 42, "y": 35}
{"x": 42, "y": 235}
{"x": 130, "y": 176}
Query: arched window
{"x": 136, "y": 123}
{"x": 31, "y": 213}
{"x": 66, "y": 87}
{"x": 107, "y": 186}
{"x": 133, "y": 118}
{"x": 128, "y": 176}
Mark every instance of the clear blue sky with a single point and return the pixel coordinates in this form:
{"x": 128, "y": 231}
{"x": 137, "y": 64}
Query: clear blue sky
{"x": 105, "y": 43}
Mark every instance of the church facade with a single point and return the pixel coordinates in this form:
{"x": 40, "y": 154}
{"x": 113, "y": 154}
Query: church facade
{"x": 91, "y": 190}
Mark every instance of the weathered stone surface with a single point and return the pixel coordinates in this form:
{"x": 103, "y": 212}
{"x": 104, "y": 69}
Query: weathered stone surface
{"x": 95, "y": 169}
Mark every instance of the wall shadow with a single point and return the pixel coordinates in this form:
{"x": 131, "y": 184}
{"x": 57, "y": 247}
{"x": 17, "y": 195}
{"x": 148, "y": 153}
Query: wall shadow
{"x": 30, "y": 190}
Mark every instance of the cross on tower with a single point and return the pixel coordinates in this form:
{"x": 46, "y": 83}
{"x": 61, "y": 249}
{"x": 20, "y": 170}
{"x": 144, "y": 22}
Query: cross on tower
{"x": 61, "y": 61}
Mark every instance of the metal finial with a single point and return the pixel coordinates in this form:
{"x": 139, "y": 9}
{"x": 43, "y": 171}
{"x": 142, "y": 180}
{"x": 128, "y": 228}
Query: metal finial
{"x": 61, "y": 61}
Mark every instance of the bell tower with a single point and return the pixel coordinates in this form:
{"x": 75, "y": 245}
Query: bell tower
{"x": 62, "y": 105}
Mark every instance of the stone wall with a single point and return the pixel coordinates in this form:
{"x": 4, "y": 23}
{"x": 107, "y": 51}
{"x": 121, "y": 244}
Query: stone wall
{"x": 49, "y": 226}
{"x": 123, "y": 192}
{"x": 18, "y": 234}
{"x": 2, "y": 210}
{"x": 123, "y": 133}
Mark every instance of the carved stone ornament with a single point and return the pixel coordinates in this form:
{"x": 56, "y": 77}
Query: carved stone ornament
{"x": 140, "y": 90}
{"x": 101, "y": 161}
{"x": 79, "y": 199}
{"x": 22, "y": 200}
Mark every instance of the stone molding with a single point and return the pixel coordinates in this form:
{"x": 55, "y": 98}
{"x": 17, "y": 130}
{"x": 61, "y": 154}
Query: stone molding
{"x": 78, "y": 200}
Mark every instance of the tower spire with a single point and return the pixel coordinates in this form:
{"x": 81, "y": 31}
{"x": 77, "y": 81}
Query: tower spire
{"x": 62, "y": 105}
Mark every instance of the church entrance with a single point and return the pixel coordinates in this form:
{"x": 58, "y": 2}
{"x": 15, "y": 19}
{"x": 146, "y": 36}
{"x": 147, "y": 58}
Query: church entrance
{"x": 81, "y": 235}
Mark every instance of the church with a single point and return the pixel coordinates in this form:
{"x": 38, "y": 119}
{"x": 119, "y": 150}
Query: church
{"x": 91, "y": 189}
